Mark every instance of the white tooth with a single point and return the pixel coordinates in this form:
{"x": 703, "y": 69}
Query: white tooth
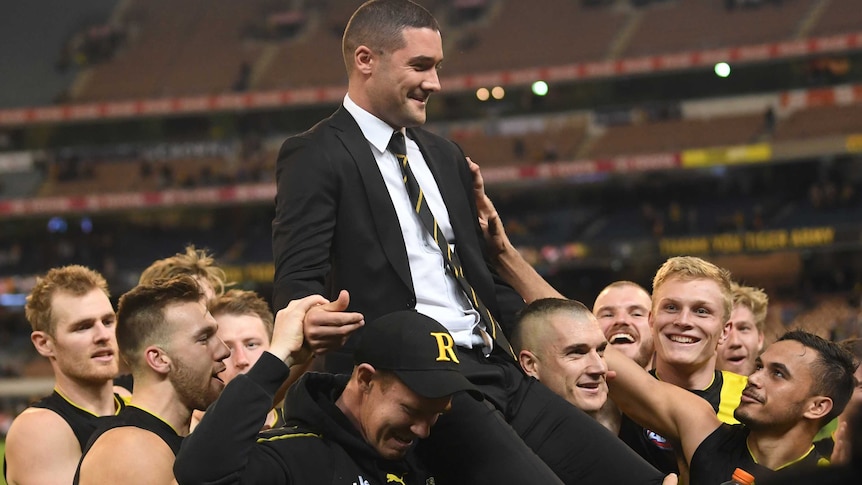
{"x": 682, "y": 339}
{"x": 628, "y": 338}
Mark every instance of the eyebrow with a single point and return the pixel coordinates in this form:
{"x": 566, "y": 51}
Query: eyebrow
{"x": 584, "y": 348}
{"x": 207, "y": 331}
{"x": 780, "y": 367}
{"x": 423, "y": 59}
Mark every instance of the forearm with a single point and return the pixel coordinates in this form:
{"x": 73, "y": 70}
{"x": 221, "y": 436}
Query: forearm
{"x": 516, "y": 271}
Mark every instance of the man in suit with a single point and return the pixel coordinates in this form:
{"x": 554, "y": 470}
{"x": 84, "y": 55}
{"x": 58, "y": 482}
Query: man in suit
{"x": 351, "y": 214}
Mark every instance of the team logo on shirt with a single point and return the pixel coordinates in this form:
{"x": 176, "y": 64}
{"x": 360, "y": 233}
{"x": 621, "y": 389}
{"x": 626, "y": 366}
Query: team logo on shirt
{"x": 361, "y": 481}
{"x": 657, "y": 440}
{"x": 392, "y": 478}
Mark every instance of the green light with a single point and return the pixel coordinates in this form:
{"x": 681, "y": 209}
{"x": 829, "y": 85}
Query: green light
{"x": 540, "y": 88}
{"x": 722, "y": 69}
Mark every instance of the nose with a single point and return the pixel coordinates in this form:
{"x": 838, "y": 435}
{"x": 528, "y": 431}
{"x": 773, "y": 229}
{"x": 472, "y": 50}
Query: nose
{"x": 239, "y": 357}
{"x": 222, "y": 351}
{"x": 684, "y": 318}
{"x": 432, "y": 81}
{"x": 754, "y": 378}
{"x": 103, "y": 333}
{"x": 422, "y": 427}
{"x": 733, "y": 340}
{"x": 597, "y": 365}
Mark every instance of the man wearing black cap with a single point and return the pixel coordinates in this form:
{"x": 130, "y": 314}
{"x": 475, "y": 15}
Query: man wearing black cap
{"x": 357, "y": 429}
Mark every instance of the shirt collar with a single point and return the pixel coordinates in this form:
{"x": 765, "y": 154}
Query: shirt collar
{"x": 375, "y": 130}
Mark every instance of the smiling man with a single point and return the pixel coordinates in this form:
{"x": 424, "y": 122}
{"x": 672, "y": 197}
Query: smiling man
{"x": 168, "y": 338}
{"x": 745, "y": 339}
{"x": 800, "y": 383}
{"x": 560, "y": 344}
{"x": 74, "y": 328}
{"x": 691, "y": 306}
{"x": 622, "y": 309}
{"x": 369, "y": 202}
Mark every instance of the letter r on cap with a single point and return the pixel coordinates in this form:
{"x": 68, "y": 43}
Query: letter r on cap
{"x": 446, "y": 346}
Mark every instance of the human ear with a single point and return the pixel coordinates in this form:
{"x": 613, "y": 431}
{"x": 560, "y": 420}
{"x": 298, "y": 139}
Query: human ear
{"x": 43, "y": 342}
{"x": 529, "y": 362}
{"x": 157, "y": 359}
{"x": 363, "y": 59}
{"x": 818, "y": 407}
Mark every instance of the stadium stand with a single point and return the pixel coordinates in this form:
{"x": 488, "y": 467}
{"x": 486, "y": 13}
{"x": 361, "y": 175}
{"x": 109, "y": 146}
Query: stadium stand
{"x": 592, "y": 190}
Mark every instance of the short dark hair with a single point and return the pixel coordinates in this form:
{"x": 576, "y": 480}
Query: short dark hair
{"x": 378, "y": 25}
{"x": 140, "y": 313}
{"x": 539, "y": 310}
{"x": 833, "y": 369}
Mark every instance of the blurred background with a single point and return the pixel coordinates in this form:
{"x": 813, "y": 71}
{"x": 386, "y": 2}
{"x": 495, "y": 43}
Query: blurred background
{"x": 612, "y": 135}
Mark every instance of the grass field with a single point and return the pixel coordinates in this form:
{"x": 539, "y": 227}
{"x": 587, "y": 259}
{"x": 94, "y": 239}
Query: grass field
{"x": 2, "y": 453}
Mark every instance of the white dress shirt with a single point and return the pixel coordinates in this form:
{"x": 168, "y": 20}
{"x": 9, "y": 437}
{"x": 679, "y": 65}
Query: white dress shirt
{"x": 438, "y": 293}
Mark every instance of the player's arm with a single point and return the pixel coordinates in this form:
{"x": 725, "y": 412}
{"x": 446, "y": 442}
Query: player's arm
{"x": 128, "y": 455}
{"x": 223, "y": 448}
{"x": 508, "y": 262}
{"x": 41, "y": 449}
{"x": 326, "y": 326}
{"x": 305, "y": 217}
{"x": 670, "y": 411}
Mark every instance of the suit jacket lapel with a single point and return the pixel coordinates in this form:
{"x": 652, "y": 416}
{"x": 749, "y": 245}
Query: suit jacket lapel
{"x": 382, "y": 210}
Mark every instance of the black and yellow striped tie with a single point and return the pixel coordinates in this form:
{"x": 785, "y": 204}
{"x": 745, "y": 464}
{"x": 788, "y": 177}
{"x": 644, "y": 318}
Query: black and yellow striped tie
{"x": 398, "y": 147}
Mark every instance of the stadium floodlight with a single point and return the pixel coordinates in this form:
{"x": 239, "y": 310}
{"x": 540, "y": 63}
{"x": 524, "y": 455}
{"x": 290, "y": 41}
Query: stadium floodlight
{"x": 540, "y": 88}
{"x": 498, "y": 92}
{"x": 722, "y": 69}
{"x": 483, "y": 94}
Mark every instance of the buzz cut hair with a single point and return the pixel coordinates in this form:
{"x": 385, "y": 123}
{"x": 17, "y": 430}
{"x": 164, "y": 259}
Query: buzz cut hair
{"x": 532, "y": 317}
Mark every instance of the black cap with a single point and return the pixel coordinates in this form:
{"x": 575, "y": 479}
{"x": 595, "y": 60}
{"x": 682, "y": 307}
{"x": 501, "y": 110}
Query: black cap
{"x": 418, "y": 350}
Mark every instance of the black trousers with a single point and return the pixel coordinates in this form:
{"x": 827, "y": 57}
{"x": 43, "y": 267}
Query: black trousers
{"x": 524, "y": 434}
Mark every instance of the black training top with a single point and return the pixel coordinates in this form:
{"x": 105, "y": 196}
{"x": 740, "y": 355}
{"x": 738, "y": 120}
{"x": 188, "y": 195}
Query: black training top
{"x": 722, "y": 394}
{"x": 138, "y": 418}
{"x": 317, "y": 445}
{"x": 726, "y": 449}
{"x": 83, "y": 422}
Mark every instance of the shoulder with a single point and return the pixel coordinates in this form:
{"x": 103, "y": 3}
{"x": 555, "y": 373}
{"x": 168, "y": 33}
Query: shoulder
{"x": 427, "y": 139}
{"x": 40, "y": 425}
{"x": 125, "y": 453}
{"x": 40, "y": 445}
{"x": 128, "y": 443}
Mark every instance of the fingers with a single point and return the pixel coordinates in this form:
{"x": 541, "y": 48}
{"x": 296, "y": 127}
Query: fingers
{"x": 478, "y": 181}
{"x": 287, "y": 333}
{"x": 671, "y": 479}
{"x": 328, "y": 326}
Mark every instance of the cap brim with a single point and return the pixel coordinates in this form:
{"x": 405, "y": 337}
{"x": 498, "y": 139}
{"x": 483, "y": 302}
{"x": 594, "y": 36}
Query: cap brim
{"x": 435, "y": 384}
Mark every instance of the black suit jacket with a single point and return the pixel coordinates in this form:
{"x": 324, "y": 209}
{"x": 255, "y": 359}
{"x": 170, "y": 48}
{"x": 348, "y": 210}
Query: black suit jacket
{"x": 335, "y": 226}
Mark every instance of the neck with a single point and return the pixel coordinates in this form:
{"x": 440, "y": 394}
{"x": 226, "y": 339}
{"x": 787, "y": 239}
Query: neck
{"x": 696, "y": 377}
{"x": 774, "y": 449}
{"x": 96, "y": 397}
{"x": 608, "y": 416}
{"x": 348, "y": 402}
{"x": 161, "y": 400}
